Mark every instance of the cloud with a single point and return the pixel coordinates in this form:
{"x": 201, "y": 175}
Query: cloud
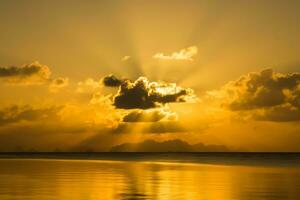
{"x": 142, "y": 94}
{"x": 106, "y": 137}
{"x": 26, "y": 127}
{"x": 125, "y": 58}
{"x": 17, "y": 113}
{"x": 149, "y": 116}
{"x": 183, "y": 54}
{"x": 283, "y": 113}
{"x": 112, "y": 81}
{"x": 167, "y": 146}
{"x": 159, "y": 127}
{"x": 263, "y": 89}
{"x": 46, "y": 128}
{"x": 58, "y": 84}
{"x": 40, "y": 137}
{"x": 88, "y": 86}
{"x": 268, "y": 95}
{"x": 34, "y": 73}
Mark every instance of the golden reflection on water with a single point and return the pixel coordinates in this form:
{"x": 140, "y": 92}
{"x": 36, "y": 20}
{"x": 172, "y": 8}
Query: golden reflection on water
{"x": 43, "y": 179}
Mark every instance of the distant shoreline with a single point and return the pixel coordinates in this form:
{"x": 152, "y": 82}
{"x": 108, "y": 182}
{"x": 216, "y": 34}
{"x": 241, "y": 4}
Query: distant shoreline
{"x": 281, "y": 159}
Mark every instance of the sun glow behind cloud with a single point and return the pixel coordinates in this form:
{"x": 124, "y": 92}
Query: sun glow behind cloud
{"x": 197, "y": 45}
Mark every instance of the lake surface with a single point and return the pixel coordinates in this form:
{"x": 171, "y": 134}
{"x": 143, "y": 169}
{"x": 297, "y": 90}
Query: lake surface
{"x": 150, "y": 176}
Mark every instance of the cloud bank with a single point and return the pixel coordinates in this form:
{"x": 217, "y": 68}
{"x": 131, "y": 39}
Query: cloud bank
{"x": 34, "y": 73}
{"x": 18, "y": 113}
{"x": 269, "y": 95}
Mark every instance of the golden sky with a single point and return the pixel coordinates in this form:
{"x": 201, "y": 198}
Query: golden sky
{"x": 90, "y": 75}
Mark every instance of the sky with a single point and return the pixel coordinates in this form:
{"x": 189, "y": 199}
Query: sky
{"x": 96, "y": 75}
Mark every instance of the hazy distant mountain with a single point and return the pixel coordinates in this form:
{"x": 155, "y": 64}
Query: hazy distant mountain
{"x": 167, "y": 146}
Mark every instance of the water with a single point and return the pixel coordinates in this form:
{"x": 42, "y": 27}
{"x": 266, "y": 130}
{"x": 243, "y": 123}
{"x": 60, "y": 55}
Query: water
{"x": 150, "y": 176}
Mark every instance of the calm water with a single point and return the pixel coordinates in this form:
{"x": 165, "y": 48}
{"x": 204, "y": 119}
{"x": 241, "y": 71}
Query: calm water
{"x": 155, "y": 176}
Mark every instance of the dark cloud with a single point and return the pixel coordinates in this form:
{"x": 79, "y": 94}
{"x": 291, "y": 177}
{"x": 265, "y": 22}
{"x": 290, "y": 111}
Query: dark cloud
{"x": 112, "y": 81}
{"x": 148, "y": 116}
{"x": 284, "y": 113}
{"x": 16, "y": 113}
{"x": 263, "y": 89}
{"x": 276, "y": 95}
{"x": 142, "y": 94}
{"x": 167, "y": 146}
{"x": 59, "y": 81}
{"x": 28, "y": 74}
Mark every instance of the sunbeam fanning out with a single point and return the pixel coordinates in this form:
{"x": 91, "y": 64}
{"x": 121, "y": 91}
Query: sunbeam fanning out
{"x": 196, "y": 71}
{"x": 161, "y": 99}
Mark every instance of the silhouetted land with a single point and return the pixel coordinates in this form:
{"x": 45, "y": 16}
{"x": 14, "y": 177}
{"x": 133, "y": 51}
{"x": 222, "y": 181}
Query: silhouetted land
{"x": 224, "y": 158}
